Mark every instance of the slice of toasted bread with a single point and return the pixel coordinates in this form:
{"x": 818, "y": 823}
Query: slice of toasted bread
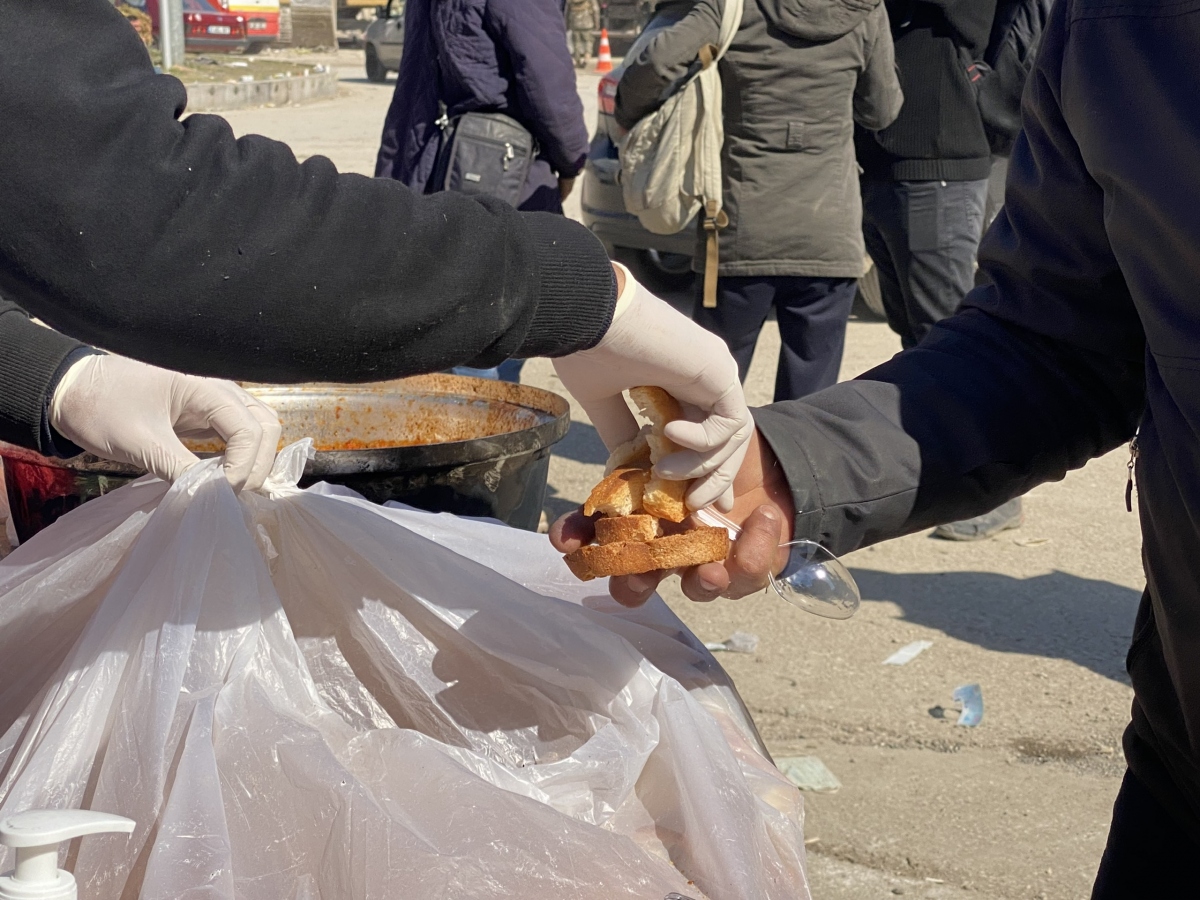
{"x": 627, "y": 528}
{"x": 664, "y": 499}
{"x": 702, "y": 545}
{"x": 633, "y": 453}
{"x": 619, "y": 494}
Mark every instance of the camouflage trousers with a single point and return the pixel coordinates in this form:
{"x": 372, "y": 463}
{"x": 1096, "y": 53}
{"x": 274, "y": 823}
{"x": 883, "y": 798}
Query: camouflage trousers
{"x": 581, "y": 45}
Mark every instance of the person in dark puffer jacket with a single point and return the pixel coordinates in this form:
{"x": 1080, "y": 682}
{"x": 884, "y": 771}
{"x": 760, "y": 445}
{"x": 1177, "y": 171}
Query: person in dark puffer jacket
{"x": 506, "y": 56}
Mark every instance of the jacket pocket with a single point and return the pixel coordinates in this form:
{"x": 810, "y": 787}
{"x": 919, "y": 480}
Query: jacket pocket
{"x": 811, "y": 137}
{"x": 943, "y": 214}
{"x": 926, "y": 216}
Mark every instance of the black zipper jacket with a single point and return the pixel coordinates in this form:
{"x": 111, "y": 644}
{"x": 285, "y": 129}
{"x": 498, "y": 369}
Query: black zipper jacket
{"x": 169, "y": 241}
{"x": 1092, "y": 322}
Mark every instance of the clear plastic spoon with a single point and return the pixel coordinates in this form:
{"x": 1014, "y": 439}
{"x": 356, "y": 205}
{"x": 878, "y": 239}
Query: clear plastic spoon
{"x": 813, "y": 578}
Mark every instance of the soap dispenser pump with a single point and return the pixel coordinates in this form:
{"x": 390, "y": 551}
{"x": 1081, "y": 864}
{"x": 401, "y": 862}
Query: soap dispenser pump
{"x": 35, "y": 834}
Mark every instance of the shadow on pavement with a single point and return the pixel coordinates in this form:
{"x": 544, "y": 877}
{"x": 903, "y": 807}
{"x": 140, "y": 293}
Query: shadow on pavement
{"x": 555, "y": 506}
{"x": 1084, "y": 620}
{"x": 582, "y": 444}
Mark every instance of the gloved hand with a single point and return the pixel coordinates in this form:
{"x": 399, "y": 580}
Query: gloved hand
{"x": 764, "y": 510}
{"x": 134, "y": 413}
{"x": 650, "y": 343}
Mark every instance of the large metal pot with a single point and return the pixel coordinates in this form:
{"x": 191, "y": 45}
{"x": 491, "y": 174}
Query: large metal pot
{"x": 445, "y": 443}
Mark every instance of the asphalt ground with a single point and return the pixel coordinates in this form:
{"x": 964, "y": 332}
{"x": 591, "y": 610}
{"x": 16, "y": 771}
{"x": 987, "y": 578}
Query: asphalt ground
{"x": 1039, "y": 617}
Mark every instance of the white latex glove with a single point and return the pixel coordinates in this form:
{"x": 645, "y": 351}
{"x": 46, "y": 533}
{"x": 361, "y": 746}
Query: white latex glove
{"x": 134, "y": 413}
{"x": 650, "y": 343}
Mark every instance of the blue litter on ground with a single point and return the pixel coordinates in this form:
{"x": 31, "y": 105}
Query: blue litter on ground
{"x": 971, "y": 698}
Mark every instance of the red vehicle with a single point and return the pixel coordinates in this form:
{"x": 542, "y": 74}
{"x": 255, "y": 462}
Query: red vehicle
{"x": 245, "y": 25}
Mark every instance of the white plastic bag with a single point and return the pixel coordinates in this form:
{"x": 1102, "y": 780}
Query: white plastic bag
{"x": 304, "y": 695}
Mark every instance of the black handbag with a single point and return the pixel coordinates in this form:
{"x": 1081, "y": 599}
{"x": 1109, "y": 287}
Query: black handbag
{"x": 483, "y": 153}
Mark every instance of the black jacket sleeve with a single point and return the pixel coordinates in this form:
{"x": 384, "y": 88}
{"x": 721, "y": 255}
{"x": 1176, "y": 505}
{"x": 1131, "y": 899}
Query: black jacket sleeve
{"x": 32, "y": 359}
{"x": 172, "y": 242}
{"x": 1040, "y": 371}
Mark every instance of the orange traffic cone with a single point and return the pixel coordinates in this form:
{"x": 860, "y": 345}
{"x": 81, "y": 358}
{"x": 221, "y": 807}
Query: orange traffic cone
{"x": 604, "y": 60}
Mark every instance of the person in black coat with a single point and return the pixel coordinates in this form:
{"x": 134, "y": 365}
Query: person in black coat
{"x": 506, "y": 56}
{"x": 166, "y": 240}
{"x": 925, "y": 185}
{"x": 1086, "y": 334}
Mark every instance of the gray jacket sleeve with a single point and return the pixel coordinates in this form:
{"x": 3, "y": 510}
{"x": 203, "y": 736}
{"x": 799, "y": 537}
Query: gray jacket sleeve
{"x": 669, "y": 57}
{"x": 877, "y": 96}
{"x": 1040, "y": 371}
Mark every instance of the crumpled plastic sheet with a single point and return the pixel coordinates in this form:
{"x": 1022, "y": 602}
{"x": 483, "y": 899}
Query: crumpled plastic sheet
{"x": 299, "y": 695}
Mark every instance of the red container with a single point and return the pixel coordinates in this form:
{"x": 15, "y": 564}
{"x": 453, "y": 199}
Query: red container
{"x": 41, "y": 490}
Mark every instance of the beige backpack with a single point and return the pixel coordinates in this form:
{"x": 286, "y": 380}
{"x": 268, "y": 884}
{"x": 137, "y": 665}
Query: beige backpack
{"x": 671, "y": 159}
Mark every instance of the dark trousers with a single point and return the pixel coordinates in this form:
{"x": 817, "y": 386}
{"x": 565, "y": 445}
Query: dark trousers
{"x": 1148, "y": 855}
{"x": 923, "y": 236}
{"x": 812, "y": 314}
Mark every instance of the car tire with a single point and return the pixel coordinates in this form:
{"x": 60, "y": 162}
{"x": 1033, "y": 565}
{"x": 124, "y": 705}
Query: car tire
{"x": 254, "y": 48}
{"x": 666, "y": 271}
{"x": 376, "y": 71}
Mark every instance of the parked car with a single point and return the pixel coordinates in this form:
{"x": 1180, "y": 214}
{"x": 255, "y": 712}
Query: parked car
{"x": 225, "y": 25}
{"x": 667, "y": 256}
{"x": 625, "y": 17}
{"x": 385, "y": 42}
{"x": 262, "y": 21}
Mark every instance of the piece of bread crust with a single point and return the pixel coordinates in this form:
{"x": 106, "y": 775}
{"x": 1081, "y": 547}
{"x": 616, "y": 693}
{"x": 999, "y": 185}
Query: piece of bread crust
{"x": 664, "y": 499}
{"x": 634, "y": 453}
{"x": 702, "y": 545}
{"x": 660, "y": 408}
{"x": 619, "y": 494}
{"x": 656, "y": 405}
{"x": 627, "y": 528}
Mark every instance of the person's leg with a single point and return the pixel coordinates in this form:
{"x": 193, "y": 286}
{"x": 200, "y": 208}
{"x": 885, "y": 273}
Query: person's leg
{"x": 1005, "y": 516}
{"x": 489, "y": 374}
{"x": 812, "y": 316}
{"x": 887, "y": 244}
{"x": 944, "y": 221}
{"x": 1148, "y": 854}
{"x": 995, "y": 202}
{"x": 742, "y": 307}
{"x": 510, "y": 370}
{"x": 995, "y": 191}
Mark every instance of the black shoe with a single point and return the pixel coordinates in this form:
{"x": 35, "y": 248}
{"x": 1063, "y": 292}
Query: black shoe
{"x": 1002, "y": 518}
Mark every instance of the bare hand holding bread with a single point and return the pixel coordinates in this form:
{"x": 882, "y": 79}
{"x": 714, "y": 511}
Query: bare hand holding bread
{"x": 638, "y": 509}
{"x": 763, "y": 508}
